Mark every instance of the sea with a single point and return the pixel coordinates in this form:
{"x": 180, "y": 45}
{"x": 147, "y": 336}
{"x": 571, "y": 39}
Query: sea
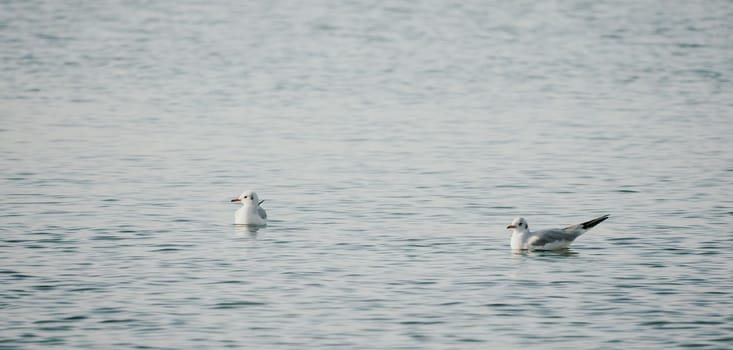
{"x": 392, "y": 142}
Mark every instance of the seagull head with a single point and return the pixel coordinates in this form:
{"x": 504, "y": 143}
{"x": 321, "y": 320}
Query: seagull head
{"x": 248, "y": 197}
{"x": 519, "y": 225}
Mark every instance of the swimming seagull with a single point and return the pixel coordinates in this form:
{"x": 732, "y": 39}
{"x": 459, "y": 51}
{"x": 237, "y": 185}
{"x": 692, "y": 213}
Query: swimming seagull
{"x": 549, "y": 239}
{"x": 251, "y": 213}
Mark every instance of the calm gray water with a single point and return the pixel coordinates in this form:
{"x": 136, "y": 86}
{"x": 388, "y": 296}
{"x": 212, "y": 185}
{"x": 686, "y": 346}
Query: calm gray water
{"x": 393, "y": 142}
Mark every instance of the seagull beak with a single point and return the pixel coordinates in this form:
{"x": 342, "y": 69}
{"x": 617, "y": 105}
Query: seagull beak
{"x": 236, "y": 200}
{"x": 511, "y": 226}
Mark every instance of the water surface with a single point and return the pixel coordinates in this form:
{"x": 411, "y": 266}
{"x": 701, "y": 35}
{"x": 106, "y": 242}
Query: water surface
{"x": 392, "y": 142}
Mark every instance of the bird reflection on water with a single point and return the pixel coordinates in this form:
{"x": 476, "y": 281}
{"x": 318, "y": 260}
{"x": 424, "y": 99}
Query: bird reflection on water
{"x": 247, "y": 230}
{"x": 546, "y": 253}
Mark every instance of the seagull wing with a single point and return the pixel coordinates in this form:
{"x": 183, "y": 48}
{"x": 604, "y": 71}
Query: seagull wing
{"x": 550, "y": 236}
{"x": 585, "y": 226}
{"x": 567, "y": 234}
{"x": 261, "y": 212}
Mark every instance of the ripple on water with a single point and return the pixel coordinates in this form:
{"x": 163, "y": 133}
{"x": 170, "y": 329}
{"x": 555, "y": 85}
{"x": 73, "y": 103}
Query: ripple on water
{"x": 237, "y": 304}
{"x": 119, "y": 320}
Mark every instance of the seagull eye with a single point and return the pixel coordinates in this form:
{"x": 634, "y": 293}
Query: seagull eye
{"x": 245, "y": 196}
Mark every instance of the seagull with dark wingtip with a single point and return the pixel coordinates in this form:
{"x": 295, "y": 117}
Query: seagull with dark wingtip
{"x": 251, "y": 213}
{"x": 548, "y": 239}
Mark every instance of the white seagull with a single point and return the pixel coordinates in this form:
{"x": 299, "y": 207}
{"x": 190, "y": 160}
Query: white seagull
{"x": 251, "y": 213}
{"x": 549, "y": 239}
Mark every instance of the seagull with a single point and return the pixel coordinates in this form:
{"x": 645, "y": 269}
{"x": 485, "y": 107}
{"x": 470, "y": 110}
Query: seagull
{"x": 549, "y": 239}
{"x": 251, "y": 213}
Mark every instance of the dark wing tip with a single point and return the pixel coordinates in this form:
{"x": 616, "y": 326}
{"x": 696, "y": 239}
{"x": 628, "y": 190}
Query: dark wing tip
{"x": 592, "y": 223}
